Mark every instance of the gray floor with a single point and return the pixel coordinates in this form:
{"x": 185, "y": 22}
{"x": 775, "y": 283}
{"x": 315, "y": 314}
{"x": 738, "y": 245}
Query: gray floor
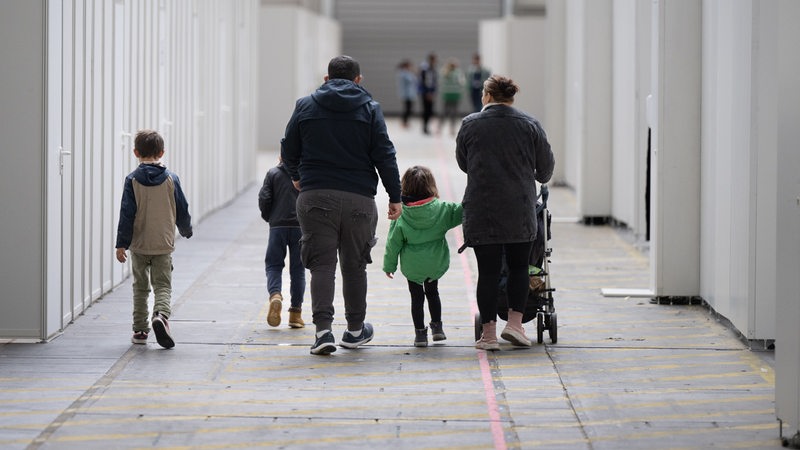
{"x": 625, "y": 373}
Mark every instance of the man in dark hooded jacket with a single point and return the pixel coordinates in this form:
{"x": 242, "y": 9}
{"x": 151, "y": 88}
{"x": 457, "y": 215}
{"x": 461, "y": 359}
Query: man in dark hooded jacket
{"x": 335, "y": 147}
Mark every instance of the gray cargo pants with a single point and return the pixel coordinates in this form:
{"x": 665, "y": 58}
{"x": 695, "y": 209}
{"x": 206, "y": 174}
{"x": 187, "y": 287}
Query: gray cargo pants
{"x": 337, "y": 223}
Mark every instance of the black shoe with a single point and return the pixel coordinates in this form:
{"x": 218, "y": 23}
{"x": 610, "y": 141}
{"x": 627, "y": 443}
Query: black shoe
{"x": 324, "y": 345}
{"x": 436, "y": 331}
{"x": 350, "y": 341}
{"x": 421, "y": 339}
{"x": 161, "y": 328}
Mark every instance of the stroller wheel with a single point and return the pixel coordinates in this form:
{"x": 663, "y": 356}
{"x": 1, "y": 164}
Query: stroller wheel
{"x": 553, "y": 329}
{"x": 478, "y": 326}
{"x": 540, "y": 327}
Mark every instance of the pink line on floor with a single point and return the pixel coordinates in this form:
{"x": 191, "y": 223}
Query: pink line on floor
{"x": 495, "y": 421}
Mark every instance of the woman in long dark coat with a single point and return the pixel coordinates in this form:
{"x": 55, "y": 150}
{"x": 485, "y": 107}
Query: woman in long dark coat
{"x": 502, "y": 150}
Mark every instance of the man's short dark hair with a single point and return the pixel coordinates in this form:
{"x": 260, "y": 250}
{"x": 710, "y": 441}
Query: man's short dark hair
{"x": 343, "y": 67}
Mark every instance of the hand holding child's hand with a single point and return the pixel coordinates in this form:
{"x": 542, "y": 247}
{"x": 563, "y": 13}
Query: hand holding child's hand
{"x": 395, "y": 209}
{"x": 390, "y": 275}
{"x": 121, "y": 257}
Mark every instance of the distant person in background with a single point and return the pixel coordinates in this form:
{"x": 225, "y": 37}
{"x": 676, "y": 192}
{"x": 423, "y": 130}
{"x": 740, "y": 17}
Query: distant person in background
{"x": 476, "y": 75}
{"x": 406, "y": 88}
{"x": 428, "y": 86}
{"x": 452, "y": 88}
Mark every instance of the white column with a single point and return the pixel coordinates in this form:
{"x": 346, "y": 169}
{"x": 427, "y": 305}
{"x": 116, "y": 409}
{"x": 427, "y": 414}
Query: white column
{"x": 675, "y": 120}
{"x": 555, "y": 86}
{"x": 588, "y": 105}
{"x": 787, "y": 346}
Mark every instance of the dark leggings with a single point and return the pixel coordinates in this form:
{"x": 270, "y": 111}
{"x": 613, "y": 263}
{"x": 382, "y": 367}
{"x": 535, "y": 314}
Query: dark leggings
{"x": 490, "y": 263}
{"x": 418, "y": 293}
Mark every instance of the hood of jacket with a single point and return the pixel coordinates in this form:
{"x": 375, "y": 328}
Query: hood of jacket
{"x": 150, "y": 174}
{"x": 424, "y": 216}
{"x": 341, "y": 95}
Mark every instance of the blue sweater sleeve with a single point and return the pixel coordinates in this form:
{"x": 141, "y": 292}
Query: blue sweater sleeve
{"x": 127, "y": 212}
{"x": 183, "y": 220}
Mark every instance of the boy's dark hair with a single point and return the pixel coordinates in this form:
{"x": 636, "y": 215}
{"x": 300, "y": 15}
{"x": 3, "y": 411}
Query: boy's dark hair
{"x": 148, "y": 143}
{"x": 418, "y": 182}
{"x": 343, "y": 67}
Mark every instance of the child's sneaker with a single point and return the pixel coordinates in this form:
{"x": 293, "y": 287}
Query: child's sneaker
{"x": 275, "y": 305}
{"x": 161, "y": 328}
{"x": 437, "y": 332}
{"x": 350, "y": 341}
{"x": 421, "y": 339}
{"x": 139, "y": 337}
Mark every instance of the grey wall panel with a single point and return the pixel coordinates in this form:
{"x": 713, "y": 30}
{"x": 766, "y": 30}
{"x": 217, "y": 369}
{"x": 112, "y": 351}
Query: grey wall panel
{"x": 21, "y": 174}
{"x": 380, "y": 33}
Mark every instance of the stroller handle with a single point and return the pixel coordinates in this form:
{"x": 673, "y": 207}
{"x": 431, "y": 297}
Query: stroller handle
{"x": 544, "y": 193}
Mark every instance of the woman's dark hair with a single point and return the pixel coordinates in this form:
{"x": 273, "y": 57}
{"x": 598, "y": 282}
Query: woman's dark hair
{"x": 343, "y": 67}
{"x": 148, "y": 143}
{"x": 418, "y": 182}
{"x": 501, "y": 89}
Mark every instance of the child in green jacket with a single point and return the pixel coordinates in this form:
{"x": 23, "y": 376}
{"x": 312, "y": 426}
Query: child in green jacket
{"x": 418, "y": 238}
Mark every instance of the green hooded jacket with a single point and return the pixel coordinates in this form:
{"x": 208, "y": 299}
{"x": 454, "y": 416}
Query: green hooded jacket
{"x": 418, "y": 238}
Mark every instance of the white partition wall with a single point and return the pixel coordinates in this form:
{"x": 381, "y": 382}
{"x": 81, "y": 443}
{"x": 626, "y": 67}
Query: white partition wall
{"x": 588, "y": 105}
{"x": 740, "y": 163}
{"x": 781, "y": 19}
{"x": 630, "y": 86}
{"x": 555, "y": 71}
{"x": 22, "y": 119}
{"x": 675, "y": 120}
{"x": 87, "y": 74}
{"x": 296, "y": 46}
{"x": 515, "y": 47}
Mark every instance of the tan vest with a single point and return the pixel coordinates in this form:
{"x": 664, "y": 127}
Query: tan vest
{"x": 154, "y": 225}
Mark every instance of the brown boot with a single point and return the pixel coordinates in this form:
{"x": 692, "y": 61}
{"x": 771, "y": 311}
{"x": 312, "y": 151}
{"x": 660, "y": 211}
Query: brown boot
{"x": 513, "y": 332}
{"x": 275, "y": 305}
{"x": 295, "y": 320}
{"x": 488, "y": 340}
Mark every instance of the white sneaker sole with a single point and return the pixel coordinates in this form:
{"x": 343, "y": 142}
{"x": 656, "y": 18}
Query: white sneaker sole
{"x": 515, "y": 337}
{"x": 274, "y": 315}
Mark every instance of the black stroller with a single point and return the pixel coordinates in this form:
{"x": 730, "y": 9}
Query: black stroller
{"x": 540, "y": 301}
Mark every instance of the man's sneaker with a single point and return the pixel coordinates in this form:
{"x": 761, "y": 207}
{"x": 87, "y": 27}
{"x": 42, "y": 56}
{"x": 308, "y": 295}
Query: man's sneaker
{"x": 161, "y": 328}
{"x": 139, "y": 337}
{"x": 324, "y": 345}
{"x": 437, "y": 333}
{"x": 421, "y": 339}
{"x": 350, "y": 341}
{"x": 275, "y": 305}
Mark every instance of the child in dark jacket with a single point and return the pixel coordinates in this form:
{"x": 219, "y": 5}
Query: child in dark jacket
{"x": 153, "y": 204}
{"x": 276, "y": 200}
{"x": 418, "y": 239}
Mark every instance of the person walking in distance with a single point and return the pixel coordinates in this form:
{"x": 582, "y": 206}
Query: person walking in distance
{"x": 476, "y": 75}
{"x": 428, "y": 87}
{"x": 406, "y": 89}
{"x": 418, "y": 239}
{"x": 153, "y": 204}
{"x": 276, "y": 201}
{"x": 335, "y": 148}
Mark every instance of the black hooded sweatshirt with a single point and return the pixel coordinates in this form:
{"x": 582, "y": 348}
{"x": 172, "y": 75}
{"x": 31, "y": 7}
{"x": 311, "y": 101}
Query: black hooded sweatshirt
{"x": 336, "y": 139}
